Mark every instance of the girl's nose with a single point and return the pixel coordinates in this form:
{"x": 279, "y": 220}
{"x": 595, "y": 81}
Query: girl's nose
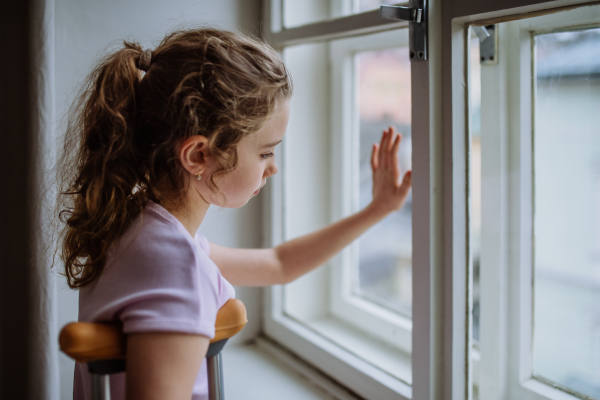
{"x": 271, "y": 170}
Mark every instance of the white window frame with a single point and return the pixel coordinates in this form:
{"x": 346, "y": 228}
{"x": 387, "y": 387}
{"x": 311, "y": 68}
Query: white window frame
{"x": 394, "y": 329}
{"x": 507, "y": 257}
{"x": 333, "y": 8}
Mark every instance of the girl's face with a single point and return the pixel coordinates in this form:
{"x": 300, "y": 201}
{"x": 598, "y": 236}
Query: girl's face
{"x": 256, "y": 162}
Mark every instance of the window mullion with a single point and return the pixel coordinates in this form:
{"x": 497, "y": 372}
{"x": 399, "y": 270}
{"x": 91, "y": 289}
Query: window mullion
{"x": 352, "y": 25}
{"x": 520, "y": 202}
{"x": 428, "y": 205}
{"x": 494, "y": 265}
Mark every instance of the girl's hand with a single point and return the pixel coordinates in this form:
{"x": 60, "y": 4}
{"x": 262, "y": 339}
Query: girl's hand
{"x": 388, "y": 194}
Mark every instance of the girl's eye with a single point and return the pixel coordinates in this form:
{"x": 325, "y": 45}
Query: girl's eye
{"x": 265, "y": 156}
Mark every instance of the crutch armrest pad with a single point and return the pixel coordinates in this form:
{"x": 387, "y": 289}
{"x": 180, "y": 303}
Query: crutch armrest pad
{"x": 84, "y": 341}
{"x": 231, "y": 318}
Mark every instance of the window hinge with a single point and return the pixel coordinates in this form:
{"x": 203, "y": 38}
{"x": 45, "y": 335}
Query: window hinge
{"x": 488, "y": 44}
{"x": 416, "y": 15}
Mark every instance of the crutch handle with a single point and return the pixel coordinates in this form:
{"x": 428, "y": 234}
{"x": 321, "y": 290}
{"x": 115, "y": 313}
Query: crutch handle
{"x": 84, "y": 341}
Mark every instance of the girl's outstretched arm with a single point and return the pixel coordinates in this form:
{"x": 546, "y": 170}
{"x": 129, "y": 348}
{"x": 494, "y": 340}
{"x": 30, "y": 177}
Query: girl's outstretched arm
{"x": 289, "y": 260}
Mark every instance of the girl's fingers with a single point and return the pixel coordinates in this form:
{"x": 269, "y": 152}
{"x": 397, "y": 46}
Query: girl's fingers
{"x": 392, "y": 136}
{"x": 382, "y": 147}
{"x": 374, "y": 157}
{"x": 387, "y": 154}
{"x": 396, "y": 145}
{"x": 386, "y": 147}
{"x": 392, "y": 150}
{"x": 394, "y": 153}
{"x": 406, "y": 183}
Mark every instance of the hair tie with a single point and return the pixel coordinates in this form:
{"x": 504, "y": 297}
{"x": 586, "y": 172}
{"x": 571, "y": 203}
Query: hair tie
{"x": 144, "y": 60}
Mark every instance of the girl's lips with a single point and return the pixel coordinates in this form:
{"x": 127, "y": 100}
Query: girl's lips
{"x": 258, "y": 190}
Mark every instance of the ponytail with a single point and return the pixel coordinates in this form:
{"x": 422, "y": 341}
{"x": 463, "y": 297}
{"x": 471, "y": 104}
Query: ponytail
{"x": 102, "y": 196}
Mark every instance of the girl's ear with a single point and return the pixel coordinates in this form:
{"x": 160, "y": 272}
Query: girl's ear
{"x": 194, "y": 154}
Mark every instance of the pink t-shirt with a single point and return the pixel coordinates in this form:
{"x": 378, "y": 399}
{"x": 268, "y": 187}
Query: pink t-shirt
{"x": 157, "y": 278}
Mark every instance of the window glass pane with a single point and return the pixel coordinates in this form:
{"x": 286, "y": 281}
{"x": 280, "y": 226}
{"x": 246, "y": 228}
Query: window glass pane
{"x": 308, "y": 64}
{"x": 475, "y": 175}
{"x": 384, "y": 273}
{"x": 567, "y": 210}
{"x": 297, "y": 13}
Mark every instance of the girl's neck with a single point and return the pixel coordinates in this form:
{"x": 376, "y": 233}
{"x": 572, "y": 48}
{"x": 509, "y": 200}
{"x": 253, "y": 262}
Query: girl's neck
{"x": 190, "y": 212}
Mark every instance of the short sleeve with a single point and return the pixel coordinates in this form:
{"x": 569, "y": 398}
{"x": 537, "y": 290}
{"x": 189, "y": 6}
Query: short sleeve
{"x": 166, "y": 290}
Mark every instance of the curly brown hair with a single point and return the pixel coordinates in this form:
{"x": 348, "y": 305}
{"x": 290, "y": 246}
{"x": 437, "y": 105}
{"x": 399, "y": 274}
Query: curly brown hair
{"x": 126, "y": 128}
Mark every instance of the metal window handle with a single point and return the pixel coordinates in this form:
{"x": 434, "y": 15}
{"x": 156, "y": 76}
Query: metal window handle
{"x": 481, "y": 33}
{"x": 416, "y": 15}
{"x": 488, "y": 43}
{"x": 402, "y": 13}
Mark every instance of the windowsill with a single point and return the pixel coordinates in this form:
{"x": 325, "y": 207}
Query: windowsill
{"x": 353, "y": 358}
{"x": 384, "y": 357}
{"x": 262, "y": 371}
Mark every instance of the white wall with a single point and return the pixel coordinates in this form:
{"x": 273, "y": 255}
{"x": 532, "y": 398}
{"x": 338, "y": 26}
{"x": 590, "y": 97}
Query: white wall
{"x": 83, "y": 30}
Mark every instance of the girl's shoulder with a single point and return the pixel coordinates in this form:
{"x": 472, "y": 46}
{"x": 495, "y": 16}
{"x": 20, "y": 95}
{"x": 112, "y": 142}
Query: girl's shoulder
{"x": 157, "y": 278}
{"x": 153, "y": 240}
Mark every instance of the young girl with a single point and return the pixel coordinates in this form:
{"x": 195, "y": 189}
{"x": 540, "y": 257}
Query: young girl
{"x": 155, "y": 150}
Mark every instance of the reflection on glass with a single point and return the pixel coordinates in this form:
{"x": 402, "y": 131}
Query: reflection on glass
{"x": 567, "y": 210}
{"x": 384, "y": 273}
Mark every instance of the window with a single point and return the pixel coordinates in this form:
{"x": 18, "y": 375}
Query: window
{"x": 347, "y": 306}
{"x": 502, "y": 304}
{"x": 534, "y": 158}
{"x": 382, "y": 273}
{"x": 353, "y": 315}
{"x": 371, "y": 285}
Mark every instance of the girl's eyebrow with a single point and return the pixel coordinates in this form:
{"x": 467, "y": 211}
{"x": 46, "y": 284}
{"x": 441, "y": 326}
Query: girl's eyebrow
{"x": 272, "y": 144}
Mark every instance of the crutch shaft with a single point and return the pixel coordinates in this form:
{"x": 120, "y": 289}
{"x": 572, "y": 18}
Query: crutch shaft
{"x": 100, "y": 387}
{"x": 215, "y": 377}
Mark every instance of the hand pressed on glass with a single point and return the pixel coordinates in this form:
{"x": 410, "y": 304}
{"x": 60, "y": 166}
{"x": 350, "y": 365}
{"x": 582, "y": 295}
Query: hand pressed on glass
{"x": 388, "y": 193}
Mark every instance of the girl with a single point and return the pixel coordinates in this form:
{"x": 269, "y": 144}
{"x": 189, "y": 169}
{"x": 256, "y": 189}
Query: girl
{"x": 155, "y": 150}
